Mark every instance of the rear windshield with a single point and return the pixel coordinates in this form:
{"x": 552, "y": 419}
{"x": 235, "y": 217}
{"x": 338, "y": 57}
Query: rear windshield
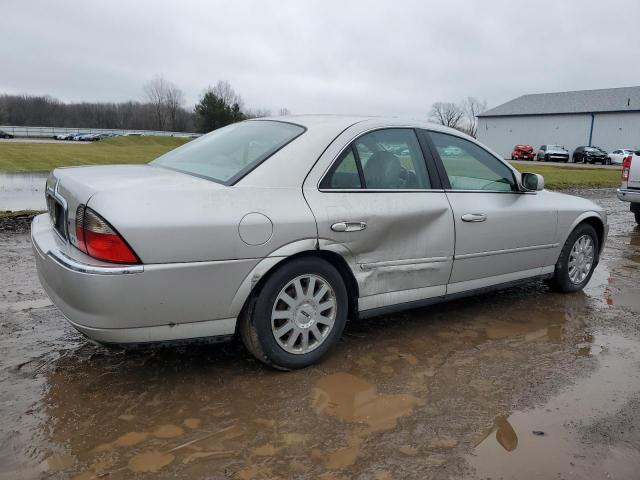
{"x": 227, "y": 154}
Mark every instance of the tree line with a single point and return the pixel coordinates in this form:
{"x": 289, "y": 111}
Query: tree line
{"x": 163, "y": 108}
{"x": 462, "y": 116}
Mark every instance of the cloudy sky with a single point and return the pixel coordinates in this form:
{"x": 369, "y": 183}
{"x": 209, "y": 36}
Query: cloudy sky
{"x": 391, "y": 57}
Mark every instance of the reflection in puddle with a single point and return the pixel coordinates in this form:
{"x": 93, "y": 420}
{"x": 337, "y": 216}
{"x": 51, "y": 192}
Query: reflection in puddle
{"x": 505, "y": 434}
{"x": 22, "y": 190}
{"x": 628, "y": 299}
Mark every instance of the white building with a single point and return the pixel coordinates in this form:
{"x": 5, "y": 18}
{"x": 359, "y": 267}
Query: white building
{"x": 608, "y": 118}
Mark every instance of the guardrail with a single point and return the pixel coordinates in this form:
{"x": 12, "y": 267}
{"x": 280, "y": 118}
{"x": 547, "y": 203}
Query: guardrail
{"x": 49, "y": 132}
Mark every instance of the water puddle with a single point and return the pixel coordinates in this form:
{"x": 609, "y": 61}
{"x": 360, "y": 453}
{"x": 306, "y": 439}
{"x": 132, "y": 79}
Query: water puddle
{"x": 22, "y": 191}
{"x": 540, "y": 442}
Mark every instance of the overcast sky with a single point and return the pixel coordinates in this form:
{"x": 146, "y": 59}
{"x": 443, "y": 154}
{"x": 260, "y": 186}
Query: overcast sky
{"x": 370, "y": 57}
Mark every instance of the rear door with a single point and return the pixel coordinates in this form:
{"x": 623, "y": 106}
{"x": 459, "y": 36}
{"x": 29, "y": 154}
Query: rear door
{"x": 381, "y": 206}
{"x": 502, "y": 234}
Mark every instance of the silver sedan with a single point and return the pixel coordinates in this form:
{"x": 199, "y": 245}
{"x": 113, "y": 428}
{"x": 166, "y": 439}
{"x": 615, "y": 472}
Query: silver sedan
{"x": 281, "y": 229}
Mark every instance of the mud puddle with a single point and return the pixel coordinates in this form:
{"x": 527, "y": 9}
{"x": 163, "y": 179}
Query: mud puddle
{"x": 536, "y": 443}
{"x": 450, "y": 391}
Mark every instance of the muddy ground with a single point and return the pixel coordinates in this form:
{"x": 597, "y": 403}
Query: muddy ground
{"x": 523, "y": 383}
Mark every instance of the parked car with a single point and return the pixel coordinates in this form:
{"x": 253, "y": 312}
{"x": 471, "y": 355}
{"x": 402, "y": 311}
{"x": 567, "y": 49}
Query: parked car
{"x": 552, "y": 153}
{"x": 587, "y": 154}
{"x": 4, "y": 134}
{"x": 281, "y": 229}
{"x": 617, "y": 156}
{"x": 629, "y": 190}
{"x": 64, "y": 136}
{"x": 452, "y": 150}
{"x": 522, "y": 152}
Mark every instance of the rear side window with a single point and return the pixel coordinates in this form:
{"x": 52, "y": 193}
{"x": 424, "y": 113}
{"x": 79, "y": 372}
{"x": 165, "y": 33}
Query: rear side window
{"x": 345, "y": 174}
{"x": 227, "y": 154}
{"x": 470, "y": 167}
{"x": 388, "y": 159}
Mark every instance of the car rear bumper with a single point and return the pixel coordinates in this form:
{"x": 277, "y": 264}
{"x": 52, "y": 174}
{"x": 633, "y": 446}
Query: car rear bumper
{"x": 137, "y": 303}
{"x": 627, "y": 195}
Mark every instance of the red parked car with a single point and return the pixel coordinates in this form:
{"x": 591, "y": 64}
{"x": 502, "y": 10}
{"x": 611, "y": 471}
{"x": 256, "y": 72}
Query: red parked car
{"x": 522, "y": 152}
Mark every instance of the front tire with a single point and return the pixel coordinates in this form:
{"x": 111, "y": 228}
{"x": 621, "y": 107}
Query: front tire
{"x": 577, "y": 260}
{"x": 297, "y": 316}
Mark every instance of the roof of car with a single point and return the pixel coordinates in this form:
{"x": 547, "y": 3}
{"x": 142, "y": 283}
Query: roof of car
{"x": 341, "y": 122}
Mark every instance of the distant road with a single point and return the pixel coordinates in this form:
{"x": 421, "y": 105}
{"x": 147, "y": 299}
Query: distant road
{"x": 568, "y": 165}
{"x": 40, "y": 140}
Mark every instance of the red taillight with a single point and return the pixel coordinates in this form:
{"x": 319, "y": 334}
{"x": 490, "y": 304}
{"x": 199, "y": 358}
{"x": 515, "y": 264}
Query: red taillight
{"x": 626, "y": 166}
{"x": 100, "y": 240}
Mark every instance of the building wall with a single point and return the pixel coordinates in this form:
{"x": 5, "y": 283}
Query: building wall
{"x": 610, "y": 131}
{"x": 616, "y": 130}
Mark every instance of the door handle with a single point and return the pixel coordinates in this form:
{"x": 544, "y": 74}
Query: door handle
{"x": 348, "y": 226}
{"x": 474, "y": 217}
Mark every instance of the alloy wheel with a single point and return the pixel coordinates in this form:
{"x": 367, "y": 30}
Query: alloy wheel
{"x": 581, "y": 259}
{"x": 303, "y": 314}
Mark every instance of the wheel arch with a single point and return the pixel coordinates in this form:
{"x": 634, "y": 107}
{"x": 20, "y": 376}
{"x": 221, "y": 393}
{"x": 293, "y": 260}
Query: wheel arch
{"x": 256, "y": 279}
{"x": 593, "y": 219}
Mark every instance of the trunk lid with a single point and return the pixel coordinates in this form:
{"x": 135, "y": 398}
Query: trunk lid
{"x": 69, "y": 187}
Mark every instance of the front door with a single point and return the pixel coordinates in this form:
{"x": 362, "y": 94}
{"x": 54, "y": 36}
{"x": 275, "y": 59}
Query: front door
{"x": 376, "y": 205}
{"x": 502, "y": 234}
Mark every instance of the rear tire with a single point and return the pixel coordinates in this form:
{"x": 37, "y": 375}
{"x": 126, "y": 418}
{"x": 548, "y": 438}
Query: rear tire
{"x": 571, "y": 272}
{"x": 300, "y": 282}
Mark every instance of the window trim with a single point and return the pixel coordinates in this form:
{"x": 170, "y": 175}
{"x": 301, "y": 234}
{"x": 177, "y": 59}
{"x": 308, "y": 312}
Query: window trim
{"x": 445, "y": 177}
{"x": 429, "y": 160}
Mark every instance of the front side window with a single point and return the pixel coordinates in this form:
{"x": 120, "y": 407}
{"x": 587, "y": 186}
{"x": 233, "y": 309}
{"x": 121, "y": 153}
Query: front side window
{"x": 227, "y": 154}
{"x": 470, "y": 167}
{"x": 388, "y": 159}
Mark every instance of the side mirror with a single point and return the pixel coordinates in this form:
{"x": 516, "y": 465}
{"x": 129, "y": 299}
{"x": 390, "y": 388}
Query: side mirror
{"x": 532, "y": 182}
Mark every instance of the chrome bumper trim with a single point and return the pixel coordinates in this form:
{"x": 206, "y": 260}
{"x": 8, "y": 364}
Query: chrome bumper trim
{"x": 628, "y": 195}
{"x": 70, "y": 264}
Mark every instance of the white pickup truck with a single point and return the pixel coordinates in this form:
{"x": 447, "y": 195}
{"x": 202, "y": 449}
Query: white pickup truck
{"x": 629, "y": 191}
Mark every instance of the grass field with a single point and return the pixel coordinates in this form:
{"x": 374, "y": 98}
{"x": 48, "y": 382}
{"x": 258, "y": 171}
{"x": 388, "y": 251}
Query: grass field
{"x": 24, "y": 157}
{"x": 558, "y": 178}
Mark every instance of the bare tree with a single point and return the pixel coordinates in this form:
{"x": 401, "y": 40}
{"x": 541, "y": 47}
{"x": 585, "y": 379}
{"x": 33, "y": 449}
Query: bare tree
{"x": 227, "y": 94}
{"x": 156, "y": 93}
{"x": 174, "y": 99}
{"x": 283, "y": 112}
{"x": 446, "y": 113}
{"x": 472, "y": 108}
{"x": 257, "y": 112}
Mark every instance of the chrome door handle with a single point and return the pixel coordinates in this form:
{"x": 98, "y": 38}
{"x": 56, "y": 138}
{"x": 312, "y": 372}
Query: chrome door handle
{"x": 348, "y": 226}
{"x": 474, "y": 217}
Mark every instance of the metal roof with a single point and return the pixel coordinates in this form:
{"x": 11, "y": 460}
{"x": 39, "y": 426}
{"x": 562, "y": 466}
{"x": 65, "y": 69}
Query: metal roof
{"x": 625, "y": 99}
